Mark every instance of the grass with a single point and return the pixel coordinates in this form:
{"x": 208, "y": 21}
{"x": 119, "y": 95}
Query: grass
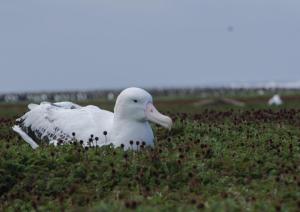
{"x": 215, "y": 159}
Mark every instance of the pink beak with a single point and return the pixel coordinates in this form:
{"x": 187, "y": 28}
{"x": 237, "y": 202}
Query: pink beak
{"x": 154, "y": 116}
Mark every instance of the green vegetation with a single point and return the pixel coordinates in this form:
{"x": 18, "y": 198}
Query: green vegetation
{"x": 216, "y": 158}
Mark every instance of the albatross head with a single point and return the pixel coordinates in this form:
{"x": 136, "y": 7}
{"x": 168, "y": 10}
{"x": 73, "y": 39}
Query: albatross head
{"x": 136, "y": 104}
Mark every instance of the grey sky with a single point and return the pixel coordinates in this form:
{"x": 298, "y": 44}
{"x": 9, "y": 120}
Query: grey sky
{"x": 73, "y": 44}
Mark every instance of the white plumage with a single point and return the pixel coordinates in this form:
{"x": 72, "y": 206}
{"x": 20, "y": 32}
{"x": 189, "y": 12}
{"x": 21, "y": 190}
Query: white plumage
{"x": 66, "y": 122}
{"x": 275, "y": 100}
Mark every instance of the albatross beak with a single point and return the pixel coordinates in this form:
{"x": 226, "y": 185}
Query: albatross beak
{"x": 153, "y": 115}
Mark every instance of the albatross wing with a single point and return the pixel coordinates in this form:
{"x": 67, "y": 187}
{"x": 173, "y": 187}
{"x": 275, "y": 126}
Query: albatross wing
{"x": 55, "y": 122}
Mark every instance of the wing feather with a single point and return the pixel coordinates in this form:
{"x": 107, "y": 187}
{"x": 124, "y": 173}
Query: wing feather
{"x": 53, "y": 122}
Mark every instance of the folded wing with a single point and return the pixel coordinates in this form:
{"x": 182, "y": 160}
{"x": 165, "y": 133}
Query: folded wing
{"x": 64, "y": 122}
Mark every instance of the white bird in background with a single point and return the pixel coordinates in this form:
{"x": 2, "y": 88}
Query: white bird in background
{"x": 65, "y": 122}
{"x": 275, "y": 100}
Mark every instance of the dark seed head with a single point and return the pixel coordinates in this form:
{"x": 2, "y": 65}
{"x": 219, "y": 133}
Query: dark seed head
{"x": 131, "y": 142}
{"x": 73, "y": 134}
{"x": 133, "y": 204}
{"x": 127, "y": 204}
{"x": 200, "y": 206}
{"x": 97, "y": 139}
{"x": 278, "y": 207}
{"x": 105, "y": 133}
{"x": 193, "y": 201}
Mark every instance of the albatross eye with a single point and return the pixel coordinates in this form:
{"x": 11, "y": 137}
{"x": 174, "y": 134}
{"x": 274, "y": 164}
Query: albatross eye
{"x": 135, "y": 101}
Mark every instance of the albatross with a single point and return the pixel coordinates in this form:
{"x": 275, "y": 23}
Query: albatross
{"x": 66, "y": 122}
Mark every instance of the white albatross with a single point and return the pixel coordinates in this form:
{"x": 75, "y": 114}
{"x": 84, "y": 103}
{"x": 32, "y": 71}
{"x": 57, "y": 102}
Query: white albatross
{"x": 65, "y": 122}
{"x": 275, "y": 100}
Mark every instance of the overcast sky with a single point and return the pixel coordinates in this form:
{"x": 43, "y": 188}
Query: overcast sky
{"x": 86, "y": 44}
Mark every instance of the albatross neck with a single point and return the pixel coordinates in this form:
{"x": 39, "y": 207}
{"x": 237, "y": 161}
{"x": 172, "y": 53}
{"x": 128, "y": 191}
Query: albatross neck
{"x": 126, "y": 130}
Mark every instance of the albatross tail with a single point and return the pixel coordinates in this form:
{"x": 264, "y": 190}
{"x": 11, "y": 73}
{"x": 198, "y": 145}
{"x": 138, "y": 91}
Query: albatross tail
{"x": 29, "y": 140}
